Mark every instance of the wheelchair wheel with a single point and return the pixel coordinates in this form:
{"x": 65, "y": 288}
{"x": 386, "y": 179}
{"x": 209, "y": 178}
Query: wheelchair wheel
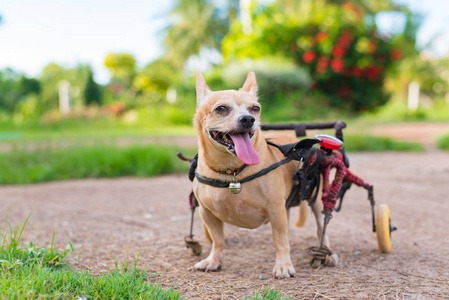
{"x": 384, "y": 228}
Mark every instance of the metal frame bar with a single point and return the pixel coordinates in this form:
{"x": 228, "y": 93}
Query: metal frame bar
{"x": 300, "y": 128}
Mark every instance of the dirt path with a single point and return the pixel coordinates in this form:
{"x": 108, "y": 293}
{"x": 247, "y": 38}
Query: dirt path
{"x": 114, "y": 218}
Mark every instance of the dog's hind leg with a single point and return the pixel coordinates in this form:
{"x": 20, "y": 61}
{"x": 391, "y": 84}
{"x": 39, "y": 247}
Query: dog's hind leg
{"x": 215, "y": 228}
{"x": 333, "y": 259}
{"x": 302, "y": 214}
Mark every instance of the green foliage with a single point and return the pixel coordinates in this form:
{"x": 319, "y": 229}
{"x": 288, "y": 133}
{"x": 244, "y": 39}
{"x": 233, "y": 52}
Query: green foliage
{"x": 397, "y": 111}
{"x": 275, "y": 76}
{"x": 123, "y": 69}
{"x": 355, "y": 143}
{"x": 341, "y": 48}
{"x": 196, "y": 25}
{"x": 19, "y": 94}
{"x": 282, "y": 85}
{"x": 51, "y": 78}
{"x": 13, "y": 254}
{"x": 35, "y": 282}
{"x": 443, "y": 142}
{"x": 20, "y": 167}
{"x": 10, "y": 93}
{"x": 30, "y": 272}
{"x": 92, "y": 92}
{"x": 29, "y": 85}
{"x": 153, "y": 82}
{"x": 121, "y": 65}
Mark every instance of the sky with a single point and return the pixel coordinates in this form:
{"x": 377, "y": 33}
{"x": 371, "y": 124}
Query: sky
{"x": 34, "y": 33}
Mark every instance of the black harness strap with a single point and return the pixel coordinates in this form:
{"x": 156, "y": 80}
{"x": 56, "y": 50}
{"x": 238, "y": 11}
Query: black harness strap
{"x": 223, "y": 184}
{"x": 299, "y": 151}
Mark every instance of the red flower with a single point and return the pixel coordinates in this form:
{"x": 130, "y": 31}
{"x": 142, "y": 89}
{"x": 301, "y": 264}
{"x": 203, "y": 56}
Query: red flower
{"x": 345, "y": 38}
{"x": 321, "y": 36}
{"x": 338, "y": 51}
{"x": 372, "y": 46}
{"x": 356, "y": 71}
{"x": 309, "y": 56}
{"x": 396, "y": 55}
{"x": 373, "y": 72}
{"x": 321, "y": 67}
{"x": 337, "y": 65}
{"x": 344, "y": 92}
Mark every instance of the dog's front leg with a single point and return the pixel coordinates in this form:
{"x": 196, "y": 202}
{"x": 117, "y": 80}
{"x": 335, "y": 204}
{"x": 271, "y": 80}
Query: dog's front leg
{"x": 279, "y": 224}
{"x": 215, "y": 228}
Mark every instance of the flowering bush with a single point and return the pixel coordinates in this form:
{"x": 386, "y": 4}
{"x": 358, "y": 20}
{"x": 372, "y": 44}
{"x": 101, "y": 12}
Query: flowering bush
{"x": 338, "y": 43}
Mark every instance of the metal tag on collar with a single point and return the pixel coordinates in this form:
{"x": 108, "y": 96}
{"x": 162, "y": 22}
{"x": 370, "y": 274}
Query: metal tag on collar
{"x": 235, "y": 187}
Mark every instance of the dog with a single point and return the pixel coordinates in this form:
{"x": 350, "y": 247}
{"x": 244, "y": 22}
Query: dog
{"x": 231, "y": 147}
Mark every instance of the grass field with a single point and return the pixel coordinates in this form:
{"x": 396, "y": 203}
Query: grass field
{"x": 443, "y": 142}
{"x": 33, "y": 272}
{"x": 51, "y": 162}
{"x": 359, "y": 143}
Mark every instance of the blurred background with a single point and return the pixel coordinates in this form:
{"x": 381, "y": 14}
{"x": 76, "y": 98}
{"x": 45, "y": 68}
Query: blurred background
{"x": 97, "y": 86}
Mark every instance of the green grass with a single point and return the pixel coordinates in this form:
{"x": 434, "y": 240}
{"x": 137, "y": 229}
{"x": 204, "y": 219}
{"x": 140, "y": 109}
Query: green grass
{"x": 396, "y": 111}
{"x": 30, "y": 272}
{"x": 141, "y": 122}
{"x": 268, "y": 294}
{"x": 37, "y": 282}
{"x": 13, "y": 254}
{"x": 22, "y": 166}
{"x": 358, "y": 142}
{"x": 104, "y": 161}
{"x": 443, "y": 142}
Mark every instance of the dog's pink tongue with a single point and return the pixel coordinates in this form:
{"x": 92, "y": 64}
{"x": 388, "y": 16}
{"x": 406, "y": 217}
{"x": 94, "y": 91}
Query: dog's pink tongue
{"x": 244, "y": 149}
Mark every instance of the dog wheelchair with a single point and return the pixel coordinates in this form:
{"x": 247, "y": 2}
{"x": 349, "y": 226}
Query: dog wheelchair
{"x": 311, "y": 177}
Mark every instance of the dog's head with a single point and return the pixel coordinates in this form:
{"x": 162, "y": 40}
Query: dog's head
{"x": 229, "y": 119}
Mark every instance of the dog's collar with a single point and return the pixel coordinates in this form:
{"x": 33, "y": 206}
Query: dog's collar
{"x": 225, "y": 184}
{"x": 234, "y": 172}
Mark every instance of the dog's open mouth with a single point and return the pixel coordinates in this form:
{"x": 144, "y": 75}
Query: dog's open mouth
{"x": 239, "y": 144}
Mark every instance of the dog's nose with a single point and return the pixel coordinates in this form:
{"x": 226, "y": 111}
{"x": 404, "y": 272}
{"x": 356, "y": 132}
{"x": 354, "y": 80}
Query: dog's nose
{"x": 247, "y": 121}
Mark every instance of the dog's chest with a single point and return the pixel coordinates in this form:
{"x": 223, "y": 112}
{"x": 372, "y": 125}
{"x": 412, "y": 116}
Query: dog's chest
{"x": 241, "y": 210}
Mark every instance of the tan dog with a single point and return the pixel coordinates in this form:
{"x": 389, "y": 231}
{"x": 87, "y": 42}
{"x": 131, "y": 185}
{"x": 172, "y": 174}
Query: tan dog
{"x": 229, "y": 136}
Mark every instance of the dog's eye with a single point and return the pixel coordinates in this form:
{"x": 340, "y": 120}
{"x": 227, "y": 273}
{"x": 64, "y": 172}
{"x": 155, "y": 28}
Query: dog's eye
{"x": 221, "y": 109}
{"x": 255, "y": 108}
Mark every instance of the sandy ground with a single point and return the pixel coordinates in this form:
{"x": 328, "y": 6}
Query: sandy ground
{"x": 115, "y": 219}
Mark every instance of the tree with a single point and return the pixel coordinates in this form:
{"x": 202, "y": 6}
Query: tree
{"x": 92, "y": 92}
{"x": 121, "y": 65}
{"x": 29, "y": 85}
{"x": 336, "y": 41}
{"x": 196, "y": 24}
{"x": 51, "y": 77}
{"x": 9, "y": 90}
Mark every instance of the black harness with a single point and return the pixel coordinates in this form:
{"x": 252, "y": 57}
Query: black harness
{"x": 308, "y": 177}
{"x": 224, "y": 184}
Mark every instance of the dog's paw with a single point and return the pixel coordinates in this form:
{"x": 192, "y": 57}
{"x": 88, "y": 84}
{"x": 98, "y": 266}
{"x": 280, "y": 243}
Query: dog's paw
{"x": 207, "y": 265}
{"x": 332, "y": 260}
{"x": 283, "y": 271}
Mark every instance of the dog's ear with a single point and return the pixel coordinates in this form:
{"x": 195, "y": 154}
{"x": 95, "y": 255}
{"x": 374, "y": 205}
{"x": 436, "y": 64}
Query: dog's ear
{"x": 250, "y": 85}
{"x": 202, "y": 90}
